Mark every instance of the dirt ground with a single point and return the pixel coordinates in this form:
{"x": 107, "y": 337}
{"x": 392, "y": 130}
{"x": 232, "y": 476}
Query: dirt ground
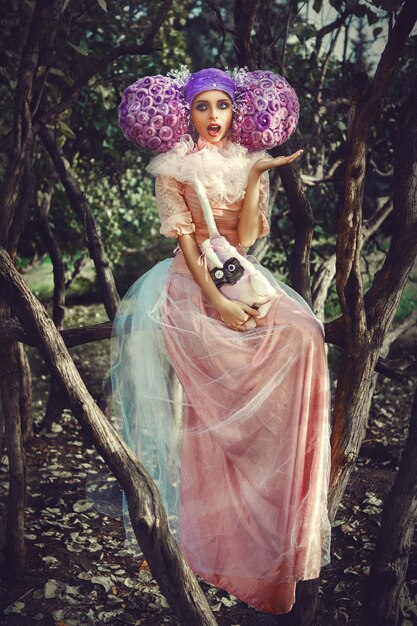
{"x": 80, "y": 572}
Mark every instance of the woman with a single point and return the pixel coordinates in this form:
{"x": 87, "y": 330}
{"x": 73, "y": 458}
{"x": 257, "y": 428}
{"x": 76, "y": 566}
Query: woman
{"x": 243, "y": 463}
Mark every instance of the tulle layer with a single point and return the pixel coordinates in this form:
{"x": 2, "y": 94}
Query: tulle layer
{"x": 233, "y": 427}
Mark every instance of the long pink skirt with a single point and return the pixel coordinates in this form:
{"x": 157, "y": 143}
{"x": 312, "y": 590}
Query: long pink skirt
{"x": 242, "y": 457}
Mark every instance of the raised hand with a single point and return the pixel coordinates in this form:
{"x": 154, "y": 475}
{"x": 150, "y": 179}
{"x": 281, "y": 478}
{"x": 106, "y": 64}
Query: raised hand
{"x": 262, "y": 165}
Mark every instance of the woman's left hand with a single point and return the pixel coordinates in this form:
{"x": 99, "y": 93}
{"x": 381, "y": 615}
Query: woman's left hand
{"x": 262, "y": 165}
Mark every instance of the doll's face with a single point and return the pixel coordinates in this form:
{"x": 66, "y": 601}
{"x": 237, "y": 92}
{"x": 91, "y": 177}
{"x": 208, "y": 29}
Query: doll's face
{"x": 211, "y": 114}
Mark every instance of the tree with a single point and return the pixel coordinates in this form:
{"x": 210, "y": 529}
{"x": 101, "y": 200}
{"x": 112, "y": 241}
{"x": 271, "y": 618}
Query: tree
{"x": 347, "y": 143}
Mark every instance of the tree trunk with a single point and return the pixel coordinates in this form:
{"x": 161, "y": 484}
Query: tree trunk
{"x": 303, "y": 220}
{"x": 366, "y": 320}
{"x": 146, "y": 510}
{"x": 13, "y": 207}
{"x": 25, "y": 394}
{"x": 399, "y": 517}
{"x": 326, "y": 270}
{"x": 15, "y": 551}
{"x": 55, "y": 404}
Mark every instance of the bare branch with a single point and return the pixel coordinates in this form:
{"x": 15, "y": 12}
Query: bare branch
{"x": 92, "y": 232}
{"x": 126, "y": 50}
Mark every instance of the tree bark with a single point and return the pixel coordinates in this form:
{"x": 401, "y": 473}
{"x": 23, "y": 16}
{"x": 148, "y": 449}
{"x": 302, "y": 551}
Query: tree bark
{"x": 55, "y": 404}
{"x": 303, "y": 220}
{"x": 146, "y": 510}
{"x": 366, "y": 321}
{"x": 94, "y": 242}
{"x": 399, "y": 517}
{"x": 25, "y": 394}
{"x": 244, "y": 16}
{"x": 15, "y": 551}
{"x": 11, "y": 223}
{"x": 326, "y": 270}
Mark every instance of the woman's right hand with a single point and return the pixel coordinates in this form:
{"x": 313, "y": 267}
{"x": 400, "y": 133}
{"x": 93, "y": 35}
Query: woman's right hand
{"x": 235, "y": 314}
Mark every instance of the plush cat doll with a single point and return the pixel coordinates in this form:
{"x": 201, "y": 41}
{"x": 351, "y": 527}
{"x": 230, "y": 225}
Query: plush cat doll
{"x": 235, "y": 276}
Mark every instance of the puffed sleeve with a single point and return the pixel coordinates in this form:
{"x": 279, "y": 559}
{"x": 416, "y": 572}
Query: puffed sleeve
{"x": 176, "y": 219}
{"x": 263, "y": 204}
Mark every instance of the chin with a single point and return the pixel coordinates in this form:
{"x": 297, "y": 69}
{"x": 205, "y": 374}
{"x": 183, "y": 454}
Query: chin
{"x": 210, "y": 139}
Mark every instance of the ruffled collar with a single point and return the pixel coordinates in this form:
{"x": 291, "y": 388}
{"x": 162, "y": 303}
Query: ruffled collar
{"x": 222, "y": 168}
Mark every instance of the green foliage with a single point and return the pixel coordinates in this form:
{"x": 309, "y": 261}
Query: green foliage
{"x": 110, "y": 171}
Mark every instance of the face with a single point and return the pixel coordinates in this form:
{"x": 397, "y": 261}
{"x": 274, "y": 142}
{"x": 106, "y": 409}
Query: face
{"x": 211, "y": 114}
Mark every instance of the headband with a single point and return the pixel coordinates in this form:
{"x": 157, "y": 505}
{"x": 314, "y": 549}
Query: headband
{"x": 204, "y": 80}
{"x": 154, "y": 112}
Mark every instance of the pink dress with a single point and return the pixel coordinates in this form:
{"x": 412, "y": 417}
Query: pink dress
{"x": 241, "y": 450}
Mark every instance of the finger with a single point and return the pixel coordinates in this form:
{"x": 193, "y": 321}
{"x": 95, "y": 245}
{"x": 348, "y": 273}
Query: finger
{"x": 296, "y": 155}
{"x": 281, "y": 160}
{"x": 250, "y": 310}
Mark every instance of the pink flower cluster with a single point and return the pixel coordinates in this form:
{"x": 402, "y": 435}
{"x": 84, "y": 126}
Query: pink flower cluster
{"x": 266, "y": 111}
{"x": 153, "y": 113}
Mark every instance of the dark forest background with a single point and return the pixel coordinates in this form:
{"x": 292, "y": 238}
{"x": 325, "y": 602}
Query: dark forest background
{"x": 78, "y": 224}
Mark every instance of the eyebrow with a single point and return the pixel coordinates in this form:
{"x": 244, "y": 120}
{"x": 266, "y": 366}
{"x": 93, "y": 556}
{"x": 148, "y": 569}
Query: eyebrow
{"x": 219, "y": 100}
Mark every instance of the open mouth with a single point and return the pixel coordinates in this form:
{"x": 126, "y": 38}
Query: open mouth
{"x": 213, "y": 130}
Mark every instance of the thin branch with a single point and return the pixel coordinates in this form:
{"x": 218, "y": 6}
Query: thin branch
{"x": 129, "y": 49}
{"x": 12, "y": 329}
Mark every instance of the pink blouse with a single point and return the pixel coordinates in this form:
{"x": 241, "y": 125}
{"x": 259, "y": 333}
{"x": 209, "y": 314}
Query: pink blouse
{"x": 181, "y": 214}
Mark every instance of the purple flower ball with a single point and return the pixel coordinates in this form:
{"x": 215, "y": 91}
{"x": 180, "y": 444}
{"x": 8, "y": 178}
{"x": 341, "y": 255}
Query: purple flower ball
{"x": 267, "y": 110}
{"x": 142, "y": 117}
{"x": 263, "y": 120}
{"x": 248, "y": 124}
{"x": 130, "y": 119}
{"x": 153, "y": 143}
{"x": 166, "y": 133}
{"x": 266, "y": 83}
{"x": 157, "y": 121}
{"x": 260, "y": 103}
{"x": 149, "y": 132}
{"x": 163, "y": 109}
{"x": 268, "y": 139}
{"x": 174, "y": 106}
{"x": 153, "y": 113}
{"x": 171, "y": 120}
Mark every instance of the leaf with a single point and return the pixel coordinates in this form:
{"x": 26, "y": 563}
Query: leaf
{"x": 67, "y": 132}
{"x": 52, "y": 588}
{"x": 105, "y": 581}
{"x": 50, "y": 560}
{"x": 103, "y": 4}
{"x": 127, "y": 618}
{"x": 81, "y": 49}
{"x": 228, "y": 601}
{"x": 16, "y": 607}
{"x": 82, "y": 505}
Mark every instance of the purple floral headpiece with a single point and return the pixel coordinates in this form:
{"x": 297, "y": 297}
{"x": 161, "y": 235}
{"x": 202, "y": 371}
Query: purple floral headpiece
{"x": 155, "y": 111}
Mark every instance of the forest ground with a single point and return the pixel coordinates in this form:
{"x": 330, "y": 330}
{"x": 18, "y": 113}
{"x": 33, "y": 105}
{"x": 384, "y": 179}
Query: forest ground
{"x": 79, "y": 571}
